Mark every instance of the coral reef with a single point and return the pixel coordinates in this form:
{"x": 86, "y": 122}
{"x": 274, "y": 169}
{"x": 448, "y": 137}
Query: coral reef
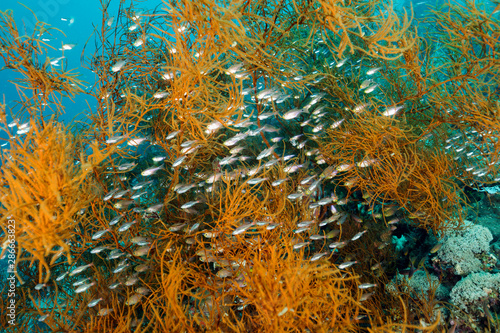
{"x": 253, "y": 166}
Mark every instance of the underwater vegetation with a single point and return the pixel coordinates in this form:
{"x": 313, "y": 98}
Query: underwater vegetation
{"x": 255, "y": 166}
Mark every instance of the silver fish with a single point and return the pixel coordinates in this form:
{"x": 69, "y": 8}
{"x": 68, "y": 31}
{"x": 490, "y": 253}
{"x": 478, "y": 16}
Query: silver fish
{"x": 242, "y": 228}
{"x": 293, "y": 114}
{"x": 155, "y": 208}
{"x": 295, "y": 196}
{"x": 172, "y": 135}
{"x": 126, "y": 226}
{"x": 318, "y": 256}
{"x": 84, "y": 287}
{"x": 373, "y": 71}
{"x": 114, "y": 285}
{"x": 118, "y": 66}
{"x": 115, "y": 220}
{"x": 43, "y": 317}
{"x": 81, "y": 281}
{"x": 190, "y": 204}
{"x": 279, "y": 182}
{"x": 136, "y": 142}
{"x": 142, "y": 251}
{"x": 178, "y": 161}
{"x": 40, "y": 286}
{"x": 151, "y": 171}
{"x": 133, "y": 299}
{"x": 256, "y": 181}
{"x": 98, "y": 234}
{"x": 367, "y": 285}
{"x": 120, "y": 268}
{"x": 80, "y": 269}
{"x": 99, "y": 249}
{"x": 104, "y": 311}
{"x": 94, "y": 302}
{"x": 300, "y": 245}
{"x": 347, "y": 264}
{"x": 358, "y": 235}
{"x": 62, "y": 276}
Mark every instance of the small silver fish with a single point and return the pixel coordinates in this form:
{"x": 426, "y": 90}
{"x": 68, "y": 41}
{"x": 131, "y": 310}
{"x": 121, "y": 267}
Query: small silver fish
{"x": 317, "y": 237}
{"x": 160, "y": 94}
{"x": 256, "y": 181}
{"x": 99, "y": 249}
{"x": 292, "y": 168}
{"x": 299, "y": 230}
{"x": 40, "y": 286}
{"x": 373, "y": 71}
{"x": 190, "y": 204}
{"x": 159, "y": 158}
{"x": 151, "y": 171}
{"x": 80, "y": 269}
{"x": 118, "y": 66}
{"x": 135, "y": 298}
{"x": 341, "y": 63}
{"x": 120, "y": 268}
{"x": 140, "y": 240}
{"x": 172, "y": 135}
{"x": 141, "y": 268}
{"x": 84, "y": 287}
{"x": 347, "y": 264}
{"x": 185, "y": 188}
{"x": 139, "y": 41}
{"x": 43, "y": 317}
{"x": 131, "y": 280}
{"x": 294, "y": 113}
{"x": 81, "y": 281}
{"x": 365, "y": 84}
{"x": 98, "y": 234}
{"x": 94, "y": 302}
{"x": 271, "y": 226}
{"x": 126, "y": 226}
{"x": 140, "y": 185}
{"x": 115, "y": 254}
{"x": 62, "y": 276}
{"x": 155, "y": 208}
{"x": 178, "y": 161}
{"x": 266, "y": 152}
{"x": 104, "y": 311}
{"x": 365, "y": 296}
{"x": 142, "y": 251}
{"x": 367, "y": 285}
{"x": 279, "y": 182}
{"x": 358, "y": 235}
{"x": 115, "y": 220}
{"x": 67, "y": 47}
{"x": 360, "y": 107}
{"x": 114, "y": 285}
{"x": 318, "y": 256}
{"x": 242, "y": 228}
{"x": 143, "y": 291}
{"x": 337, "y": 245}
{"x": 136, "y": 142}
{"x": 114, "y": 139}
{"x": 300, "y": 245}
{"x": 295, "y": 196}
{"x": 390, "y": 111}
{"x": 371, "y": 88}
{"x": 123, "y": 204}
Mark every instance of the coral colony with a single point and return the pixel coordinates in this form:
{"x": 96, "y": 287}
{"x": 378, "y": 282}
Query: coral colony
{"x": 255, "y": 166}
